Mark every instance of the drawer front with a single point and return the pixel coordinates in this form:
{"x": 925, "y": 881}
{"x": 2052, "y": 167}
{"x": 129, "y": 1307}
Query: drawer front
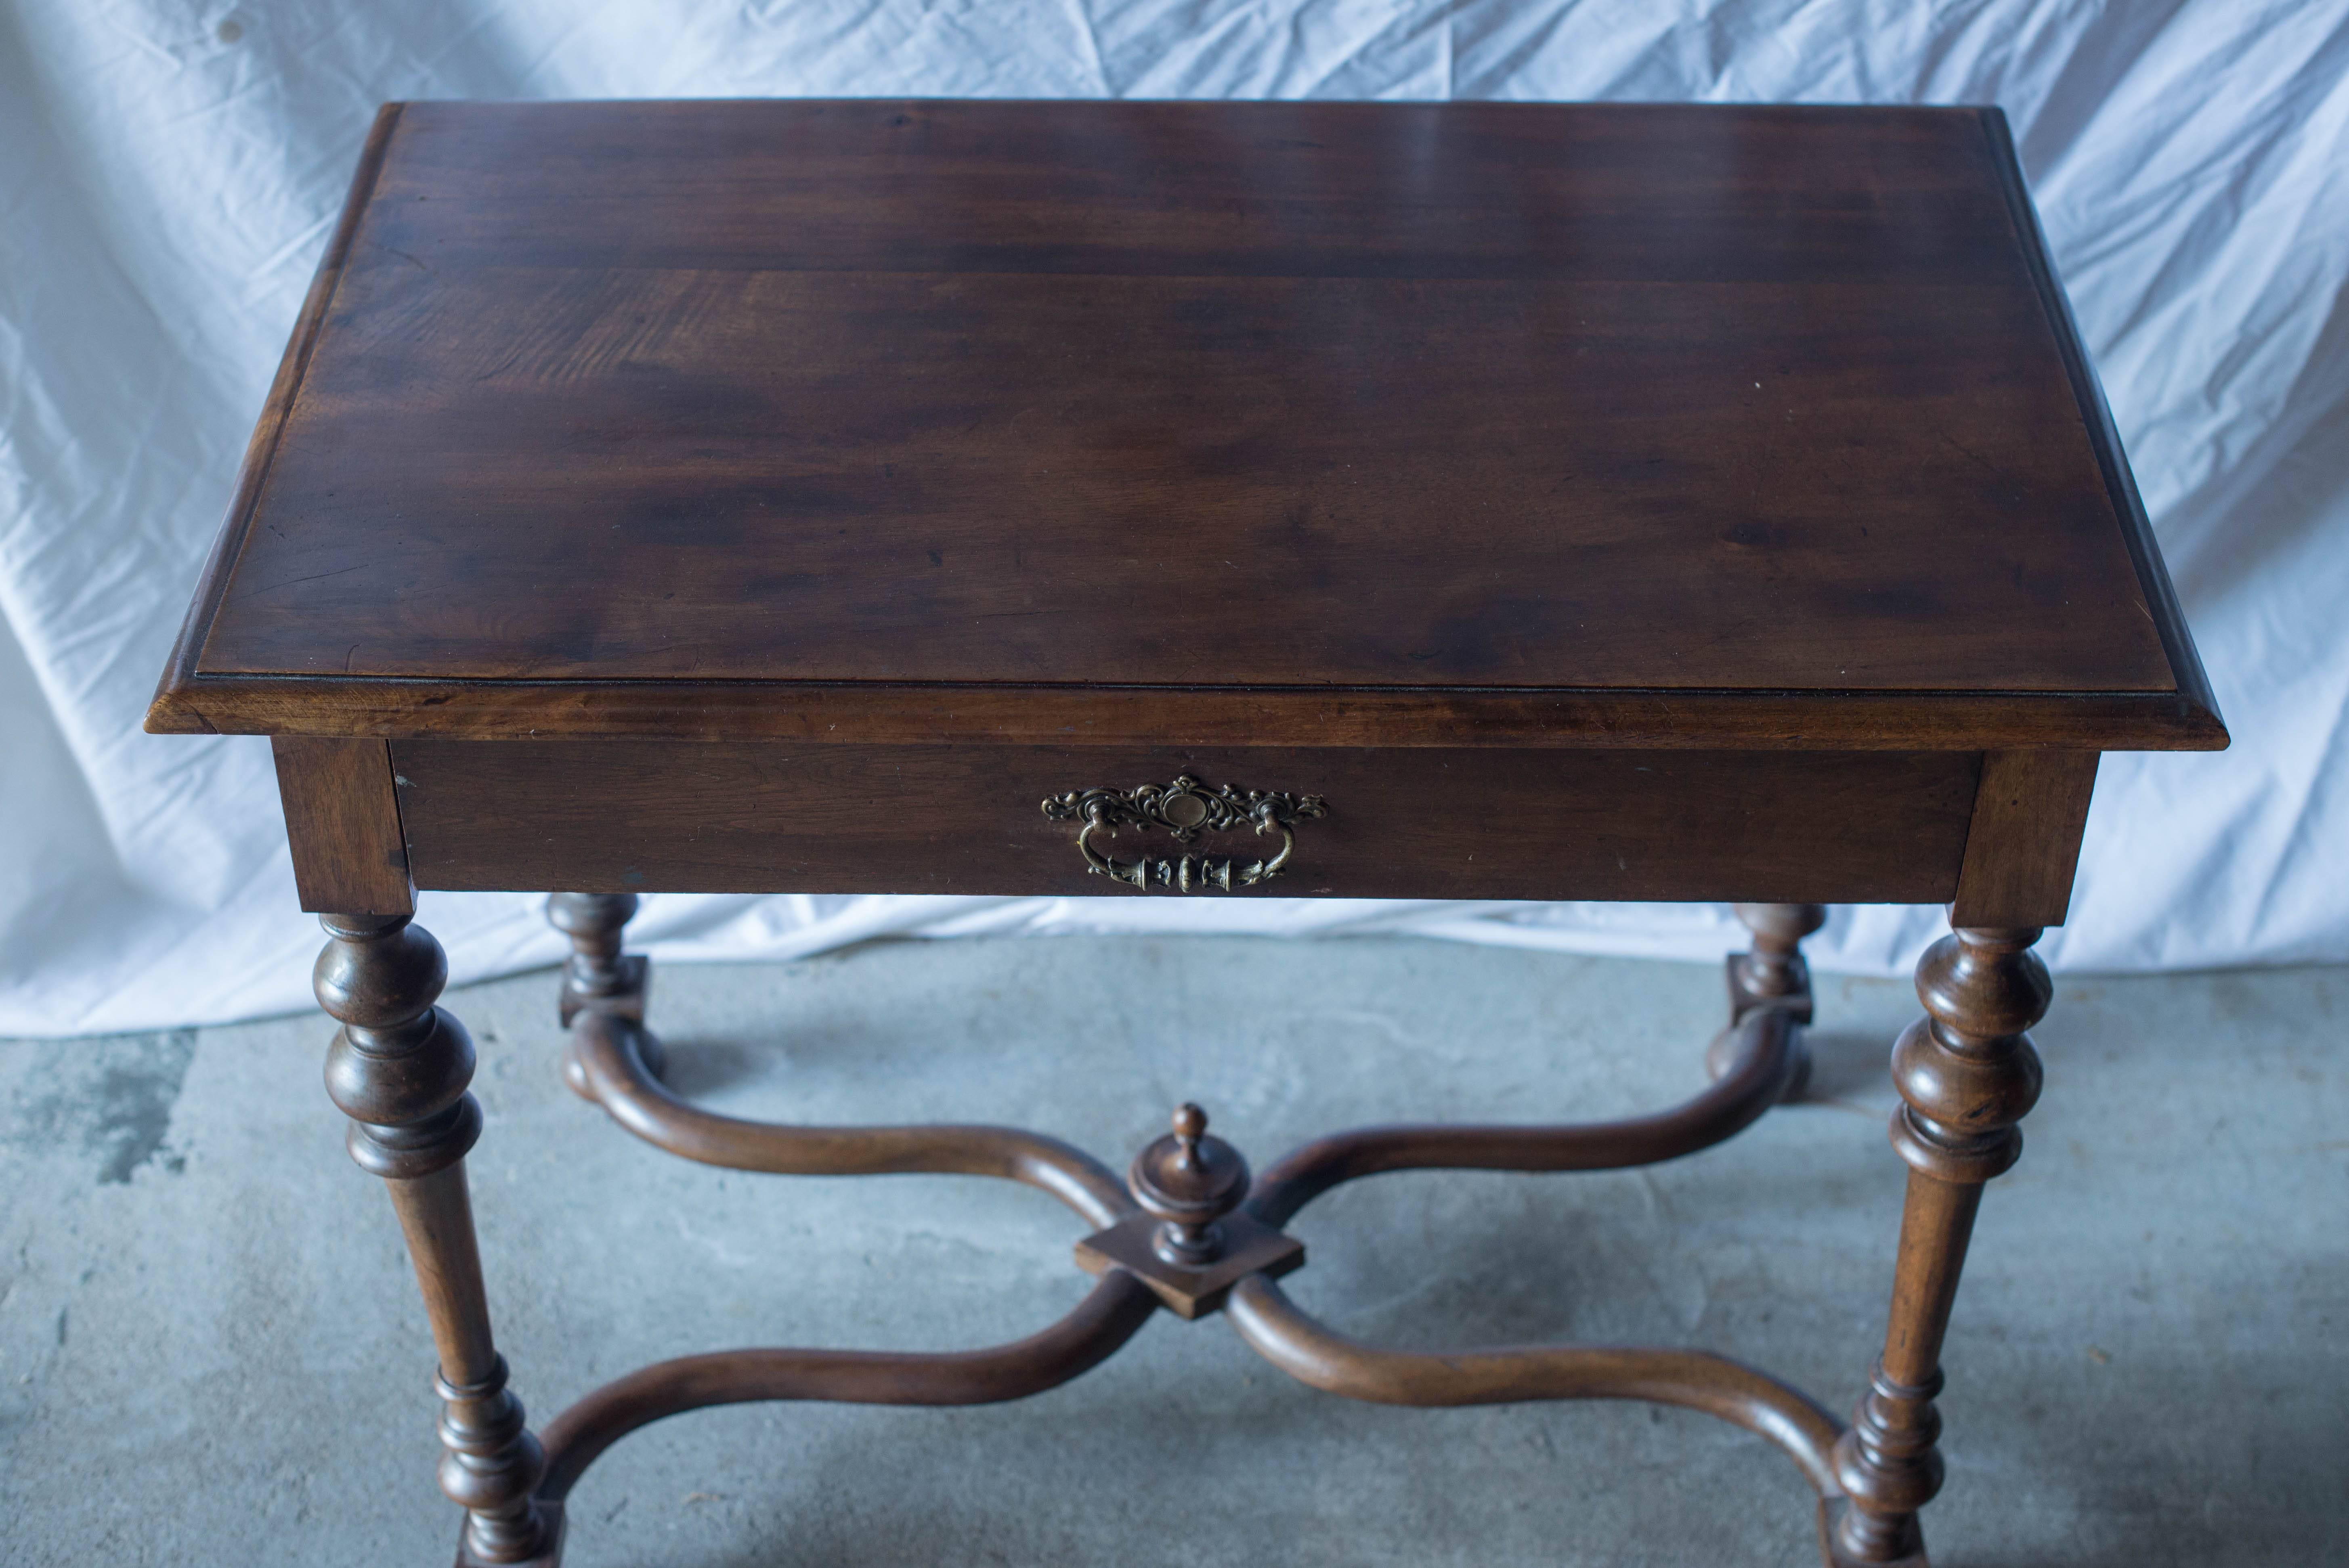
{"x": 637, "y": 816}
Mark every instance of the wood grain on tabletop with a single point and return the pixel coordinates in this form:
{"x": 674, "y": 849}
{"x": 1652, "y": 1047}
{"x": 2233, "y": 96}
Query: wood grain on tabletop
{"x": 1420, "y": 398}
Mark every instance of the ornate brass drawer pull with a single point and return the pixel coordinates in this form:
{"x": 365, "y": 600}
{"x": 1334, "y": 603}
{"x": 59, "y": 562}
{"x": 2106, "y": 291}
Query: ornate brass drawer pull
{"x": 1185, "y": 809}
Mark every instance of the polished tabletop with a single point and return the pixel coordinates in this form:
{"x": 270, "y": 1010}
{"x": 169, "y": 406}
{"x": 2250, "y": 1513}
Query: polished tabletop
{"x": 1766, "y": 411}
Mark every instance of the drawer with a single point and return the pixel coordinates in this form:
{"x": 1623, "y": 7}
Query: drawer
{"x": 608, "y": 815}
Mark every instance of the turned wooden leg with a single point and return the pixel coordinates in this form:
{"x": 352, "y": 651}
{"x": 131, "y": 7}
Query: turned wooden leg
{"x": 1774, "y": 970}
{"x": 1967, "y": 1073}
{"x": 1771, "y": 975}
{"x": 598, "y": 977}
{"x": 399, "y": 1069}
{"x": 598, "y": 974}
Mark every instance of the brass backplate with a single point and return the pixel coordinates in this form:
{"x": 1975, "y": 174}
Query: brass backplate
{"x": 1250, "y": 1247}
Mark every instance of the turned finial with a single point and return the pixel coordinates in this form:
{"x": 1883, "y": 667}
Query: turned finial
{"x": 1190, "y": 1125}
{"x": 1190, "y": 1181}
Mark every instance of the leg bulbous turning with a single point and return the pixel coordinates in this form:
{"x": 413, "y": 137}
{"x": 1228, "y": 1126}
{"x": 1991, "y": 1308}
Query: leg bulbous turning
{"x": 1772, "y": 975}
{"x": 400, "y": 1068}
{"x": 598, "y": 977}
{"x": 1774, "y": 971}
{"x": 1967, "y": 1074}
{"x": 597, "y": 973}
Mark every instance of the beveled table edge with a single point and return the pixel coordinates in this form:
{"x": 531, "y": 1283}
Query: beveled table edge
{"x": 2161, "y": 601}
{"x": 1071, "y": 714}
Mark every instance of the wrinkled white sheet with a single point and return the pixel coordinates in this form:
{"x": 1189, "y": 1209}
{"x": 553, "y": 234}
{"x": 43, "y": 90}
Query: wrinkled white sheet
{"x": 170, "y": 171}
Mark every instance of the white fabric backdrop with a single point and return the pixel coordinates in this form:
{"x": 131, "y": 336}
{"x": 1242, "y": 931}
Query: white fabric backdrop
{"x": 170, "y": 171}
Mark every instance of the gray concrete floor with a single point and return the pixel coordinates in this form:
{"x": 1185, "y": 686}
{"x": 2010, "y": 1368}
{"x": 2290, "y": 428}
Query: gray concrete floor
{"x": 211, "y": 1353}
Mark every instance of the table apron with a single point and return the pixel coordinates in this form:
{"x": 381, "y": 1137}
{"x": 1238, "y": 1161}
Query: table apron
{"x": 763, "y": 817}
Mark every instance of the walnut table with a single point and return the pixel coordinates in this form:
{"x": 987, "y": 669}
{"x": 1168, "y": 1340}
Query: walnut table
{"x": 1360, "y": 501}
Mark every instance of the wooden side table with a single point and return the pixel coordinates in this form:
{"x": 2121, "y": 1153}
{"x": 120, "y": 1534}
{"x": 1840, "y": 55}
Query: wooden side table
{"x": 1431, "y": 500}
